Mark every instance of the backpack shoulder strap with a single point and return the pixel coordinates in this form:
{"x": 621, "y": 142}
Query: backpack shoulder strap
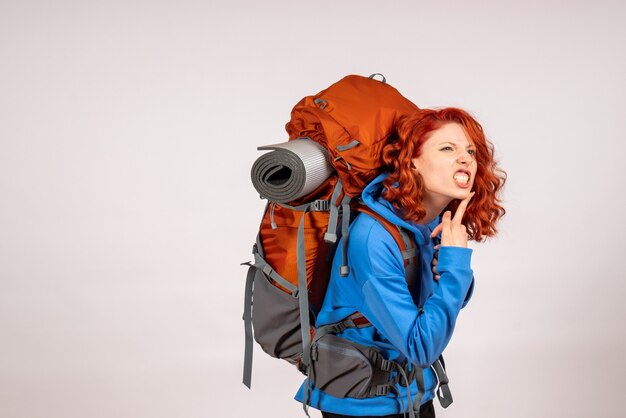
{"x": 403, "y": 239}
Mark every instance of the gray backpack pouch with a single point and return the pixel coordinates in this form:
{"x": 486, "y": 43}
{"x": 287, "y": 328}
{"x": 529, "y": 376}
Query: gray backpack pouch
{"x": 276, "y": 320}
{"x": 343, "y": 368}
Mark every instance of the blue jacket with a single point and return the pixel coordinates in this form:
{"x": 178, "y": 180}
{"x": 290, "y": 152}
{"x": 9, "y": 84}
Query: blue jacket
{"x": 376, "y": 287}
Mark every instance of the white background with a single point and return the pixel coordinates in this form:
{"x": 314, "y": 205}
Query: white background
{"x": 127, "y": 132}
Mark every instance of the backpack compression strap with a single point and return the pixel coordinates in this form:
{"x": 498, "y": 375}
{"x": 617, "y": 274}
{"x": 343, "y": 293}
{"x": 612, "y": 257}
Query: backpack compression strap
{"x": 443, "y": 390}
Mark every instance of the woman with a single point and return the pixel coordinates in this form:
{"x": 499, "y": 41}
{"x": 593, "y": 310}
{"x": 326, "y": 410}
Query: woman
{"x": 441, "y": 183}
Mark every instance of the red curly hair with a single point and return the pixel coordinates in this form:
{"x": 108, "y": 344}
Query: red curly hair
{"x": 404, "y": 188}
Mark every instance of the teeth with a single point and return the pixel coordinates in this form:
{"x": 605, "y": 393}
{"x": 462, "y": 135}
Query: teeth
{"x": 461, "y": 178}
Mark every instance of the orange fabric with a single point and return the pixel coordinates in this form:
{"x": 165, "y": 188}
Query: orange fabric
{"x": 280, "y": 244}
{"x": 358, "y": 108}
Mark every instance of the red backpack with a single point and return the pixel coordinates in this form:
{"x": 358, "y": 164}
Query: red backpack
{"x": 351, "y": 120}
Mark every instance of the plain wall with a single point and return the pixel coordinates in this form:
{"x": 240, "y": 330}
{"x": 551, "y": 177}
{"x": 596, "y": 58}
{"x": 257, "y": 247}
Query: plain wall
{"x": 127, "y": 133}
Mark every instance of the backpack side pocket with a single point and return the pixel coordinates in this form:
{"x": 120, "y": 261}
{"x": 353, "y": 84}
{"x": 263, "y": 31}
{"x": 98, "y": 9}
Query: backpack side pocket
{"x": 276, "y": 320}
{"x": 343, "y": 368}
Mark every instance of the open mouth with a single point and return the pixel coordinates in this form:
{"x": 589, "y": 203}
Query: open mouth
{"x": 462, "y": 178}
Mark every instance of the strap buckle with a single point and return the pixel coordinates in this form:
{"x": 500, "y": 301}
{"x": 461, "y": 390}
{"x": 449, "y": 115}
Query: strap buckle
{"x": 385, "y": 365}
{"x": 320, "y": 206}
{"x": 383, "y": 390}
{"x": 338, "y": 327}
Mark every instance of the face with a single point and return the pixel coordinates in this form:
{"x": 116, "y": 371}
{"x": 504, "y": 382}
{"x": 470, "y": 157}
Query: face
{"x": 447, "y": 164}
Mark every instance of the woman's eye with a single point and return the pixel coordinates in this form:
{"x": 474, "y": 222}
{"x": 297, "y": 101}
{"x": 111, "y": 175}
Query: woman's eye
{"x": 472, "y": 152}
{"x": 444, "y": 148}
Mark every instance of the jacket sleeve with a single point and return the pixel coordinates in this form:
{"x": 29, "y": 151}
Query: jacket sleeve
{"x": 470, "y": 292}
{"x": 386, "y": 302}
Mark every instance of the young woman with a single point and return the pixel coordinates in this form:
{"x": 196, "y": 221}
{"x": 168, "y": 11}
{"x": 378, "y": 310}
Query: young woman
{"x": 441, "y": 184}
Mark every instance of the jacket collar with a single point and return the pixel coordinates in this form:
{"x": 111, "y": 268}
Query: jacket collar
{"x": 372, "y": 197}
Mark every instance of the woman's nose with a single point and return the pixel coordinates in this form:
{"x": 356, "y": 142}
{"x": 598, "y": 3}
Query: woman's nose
{"x": 464, "y": 158}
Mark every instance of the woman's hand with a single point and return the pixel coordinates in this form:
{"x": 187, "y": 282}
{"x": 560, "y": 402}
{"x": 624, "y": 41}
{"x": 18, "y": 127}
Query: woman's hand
{"x": 453, "y": 232}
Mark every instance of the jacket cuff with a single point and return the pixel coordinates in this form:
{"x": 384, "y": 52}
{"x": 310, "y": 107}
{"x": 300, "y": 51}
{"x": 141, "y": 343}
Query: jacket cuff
{"x": 454, "y": 258}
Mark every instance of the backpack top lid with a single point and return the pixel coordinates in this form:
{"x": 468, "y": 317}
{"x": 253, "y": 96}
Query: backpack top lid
{"x": 352, "y": 119}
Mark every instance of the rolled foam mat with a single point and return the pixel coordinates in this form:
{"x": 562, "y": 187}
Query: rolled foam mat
{"x": 291, "y": 170}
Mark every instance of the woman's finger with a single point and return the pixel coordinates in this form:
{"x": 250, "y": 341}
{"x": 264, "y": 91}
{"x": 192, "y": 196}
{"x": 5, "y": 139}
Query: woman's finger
{"x": 459, "y": 235}
{"x": 460, "y": 210}
{"x": 436, "y": 231}
{"x": 446, "y": 234}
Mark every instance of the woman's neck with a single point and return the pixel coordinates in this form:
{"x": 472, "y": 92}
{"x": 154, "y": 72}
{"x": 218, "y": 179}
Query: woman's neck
{"x": 434, "y": 204}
